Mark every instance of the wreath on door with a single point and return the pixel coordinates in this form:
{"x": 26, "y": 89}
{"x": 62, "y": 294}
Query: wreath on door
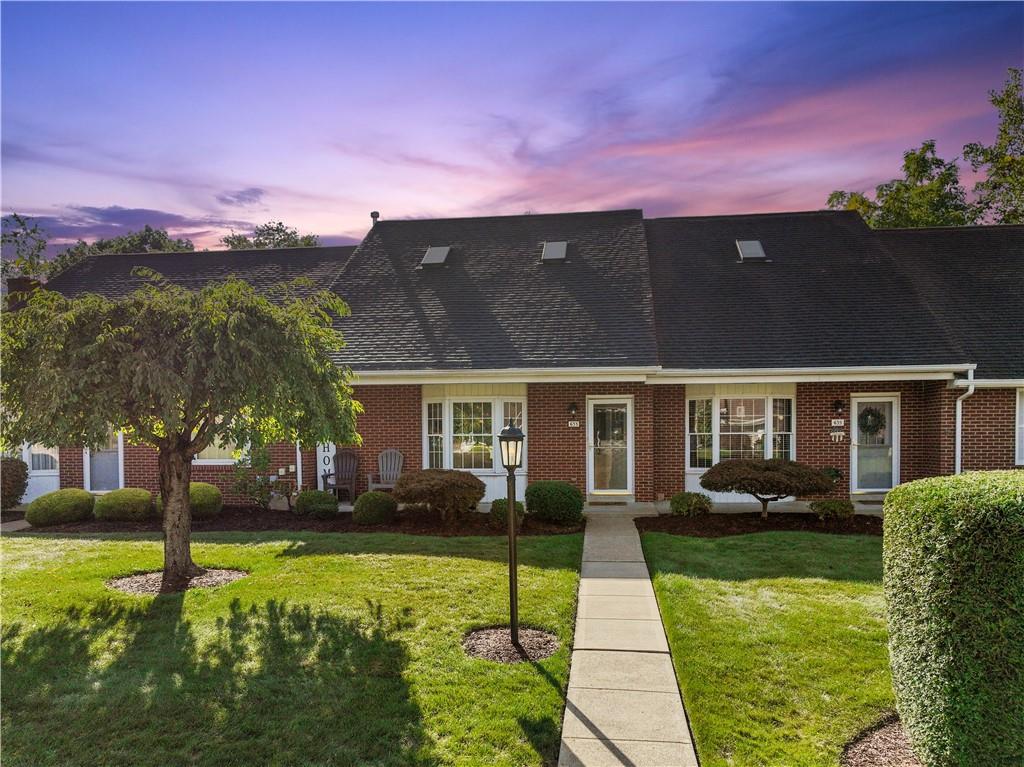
{"x": 871, "y": 421}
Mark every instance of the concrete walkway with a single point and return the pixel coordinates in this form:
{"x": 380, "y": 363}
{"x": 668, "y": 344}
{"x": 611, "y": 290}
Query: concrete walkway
{"x": 14, "y": 526}
{"x": 623, "y": 706}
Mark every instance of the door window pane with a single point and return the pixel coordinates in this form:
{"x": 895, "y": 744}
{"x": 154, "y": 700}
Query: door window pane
{"x": 874, "y": 445}
{"x": 611, "y": 446}
{"x": 105, "y": 465}
{"x": 741, "y": 428}
{"x": 472, "y": 435}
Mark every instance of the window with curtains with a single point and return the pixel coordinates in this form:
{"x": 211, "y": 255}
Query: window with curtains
{"x": 463, "y": 433}
{"x": 722, "y": 428}
{"x": 42, "y": 458}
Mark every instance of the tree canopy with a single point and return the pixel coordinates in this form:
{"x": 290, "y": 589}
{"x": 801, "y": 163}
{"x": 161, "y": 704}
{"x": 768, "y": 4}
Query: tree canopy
{"x": 273, "y": 234}
{"x": 178, "y": 370}
{"x": 26, "y": 243}
{"x": 930, "y": 192}
{"x": 999, "y": 193}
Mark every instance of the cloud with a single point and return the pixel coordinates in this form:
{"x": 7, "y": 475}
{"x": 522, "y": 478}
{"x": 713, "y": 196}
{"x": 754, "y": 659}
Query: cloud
{"x": 249, "y": 196}
{"x": 85, "y": 222}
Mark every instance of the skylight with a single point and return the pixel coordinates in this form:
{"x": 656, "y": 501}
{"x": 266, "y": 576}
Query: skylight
{"x": 750, "y": 250}
{"x": 554, "y": 251}
{"x": 436, "y": 254}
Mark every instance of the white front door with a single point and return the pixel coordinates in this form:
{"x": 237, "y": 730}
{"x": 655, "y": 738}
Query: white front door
{"x": 43, "y": 474}
{"x": 875, "y": 447}
{"x": 610, "y": 446}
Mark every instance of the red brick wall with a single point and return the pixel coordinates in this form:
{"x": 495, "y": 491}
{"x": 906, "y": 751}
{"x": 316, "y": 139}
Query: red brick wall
{"x": 669, "y": 402}
{"x": 989, "y": 424}
{"x": 556, "y": 451}
{"x": 70, "y": 466}
{"x": 392, "y": 418}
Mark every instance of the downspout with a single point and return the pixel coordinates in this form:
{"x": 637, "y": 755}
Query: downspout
{"x": 957, "y": 448}
{"x": 298, "y": 467}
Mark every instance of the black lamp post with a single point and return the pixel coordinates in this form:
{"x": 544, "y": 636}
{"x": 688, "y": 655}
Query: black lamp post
{"x": 511, "y": 441}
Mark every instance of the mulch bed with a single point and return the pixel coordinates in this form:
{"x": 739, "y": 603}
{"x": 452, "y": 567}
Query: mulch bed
{"x": 247, "y": 519}
{"x": 496, "y": 644}
{"x": 884, "y": 744}
{"x": 720, "y": 525}
{"x": 149, "y": 584}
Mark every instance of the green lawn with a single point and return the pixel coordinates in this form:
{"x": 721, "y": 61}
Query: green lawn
{"x": 336, "y": 650}
{"x": 778, "y": 639}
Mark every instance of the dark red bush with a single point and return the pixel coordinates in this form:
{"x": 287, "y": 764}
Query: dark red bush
{"x": 767, "y": 480}
{"x": 13, "y": 482}
{"x": 447, "y": 491}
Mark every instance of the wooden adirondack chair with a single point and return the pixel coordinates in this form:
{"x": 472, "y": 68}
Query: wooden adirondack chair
{"x": 346, "y": 469}
{"x": 389, "y": 469}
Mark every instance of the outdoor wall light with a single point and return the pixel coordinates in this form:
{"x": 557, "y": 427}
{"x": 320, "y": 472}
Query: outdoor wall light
{"x": 572, "y": 409}
{"x": 837, "y": 406}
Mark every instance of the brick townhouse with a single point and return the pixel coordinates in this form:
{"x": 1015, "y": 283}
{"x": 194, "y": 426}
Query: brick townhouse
{"x": 635, "y": 353}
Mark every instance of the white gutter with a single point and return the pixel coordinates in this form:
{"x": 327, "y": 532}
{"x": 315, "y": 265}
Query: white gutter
{"x": 787, "y": 375}
{"x": 958, "y": 449}
{"x": 990, "y": 383}
{"x": 506, "y": 375}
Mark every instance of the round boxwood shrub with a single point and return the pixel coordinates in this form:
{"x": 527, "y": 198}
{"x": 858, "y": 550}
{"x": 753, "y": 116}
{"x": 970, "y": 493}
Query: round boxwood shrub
{"x": 318, "y": 503}
{"x": 690, "y": 504}
{"x": 953, "y": 559}
{"x": 557, "y": 502}
{"x": 128, "y": 504}
{"x": 68, "y": 505}
{"x": 374, "y": 508}
{"x": 498, "y": 515}
{"x": 13, "y": 482}
{"x": 205, "y": 499}
{"x": 833, "y": 508}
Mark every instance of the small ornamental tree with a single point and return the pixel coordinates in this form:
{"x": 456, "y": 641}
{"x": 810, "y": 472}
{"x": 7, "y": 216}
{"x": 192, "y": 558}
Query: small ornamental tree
{"x": 179, "y": 370}
{"x": 767, "y": 480}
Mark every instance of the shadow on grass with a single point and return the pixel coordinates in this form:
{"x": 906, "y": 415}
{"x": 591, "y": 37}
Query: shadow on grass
{"x": 767, "y": 555}
{"x": 553, "y": 552}
{"x": 270, "y": 683}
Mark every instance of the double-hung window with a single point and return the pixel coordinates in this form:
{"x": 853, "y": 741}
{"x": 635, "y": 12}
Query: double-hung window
{"x": 462, "y": 432}
{"x": 721, "y": 428}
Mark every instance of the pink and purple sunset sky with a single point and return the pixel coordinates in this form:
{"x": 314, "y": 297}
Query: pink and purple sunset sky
{"x": 206, "y": 117}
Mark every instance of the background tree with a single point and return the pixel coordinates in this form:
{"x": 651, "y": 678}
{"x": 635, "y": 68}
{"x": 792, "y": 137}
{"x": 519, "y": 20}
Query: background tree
{"x": 929, "y": 194}
{"x": 179, "y": 370}
{"x": 768, "y": 480}
{"x": 273, "y": 234}
{"x": 1000, "y": 194}
{"x": 24, "y": 248}
{"x": 146, "y": 240}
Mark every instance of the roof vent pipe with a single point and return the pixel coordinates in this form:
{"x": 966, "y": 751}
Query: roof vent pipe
{"x": 374, "y": 215}
{"x": 958, "y": 447}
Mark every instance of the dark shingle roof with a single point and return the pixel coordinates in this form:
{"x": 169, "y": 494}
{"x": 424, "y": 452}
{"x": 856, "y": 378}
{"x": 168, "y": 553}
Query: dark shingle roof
{"x": 830, "y": 296}
{"x": 493, "y": 304}
{"x": 972, "y": 280}
{"x": 111, "y": 274}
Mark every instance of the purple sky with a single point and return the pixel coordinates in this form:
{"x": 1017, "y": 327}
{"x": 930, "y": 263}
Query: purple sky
{"x": 203, "y": 117}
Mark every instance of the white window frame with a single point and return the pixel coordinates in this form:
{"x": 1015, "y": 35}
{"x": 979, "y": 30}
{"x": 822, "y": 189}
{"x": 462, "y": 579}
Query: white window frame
{"x": 87, "y": 468}
{"x": 26, "y": 456}
{"x": 769, "y": 425}
{"x": 1019, "y": 430}
{"x": 497, "y": 414}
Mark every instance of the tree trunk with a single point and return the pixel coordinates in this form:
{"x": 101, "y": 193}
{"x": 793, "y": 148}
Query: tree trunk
{"x": 764, "y": 507}
{"x": 175, "y": 475}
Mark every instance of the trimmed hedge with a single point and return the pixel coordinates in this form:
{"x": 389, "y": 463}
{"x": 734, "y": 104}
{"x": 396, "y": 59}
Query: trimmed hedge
{"x": 557, "y": 502}
{"x": 204, "y": 499}
{"x": 450, "y": 492}
{"x": 13, "y": 482}
{"x": 128, "y": 504}
{"x": 953, "y": 558}
{"x": 68, "y": 505}
{"x": 318, "y": 503}
{"x": 374, "y": 508}
{"x": 767, "y": 479}
{"x": 833, "y": 508}
{"x": 498, "y": 515}
{"x": 690, "y": 504}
